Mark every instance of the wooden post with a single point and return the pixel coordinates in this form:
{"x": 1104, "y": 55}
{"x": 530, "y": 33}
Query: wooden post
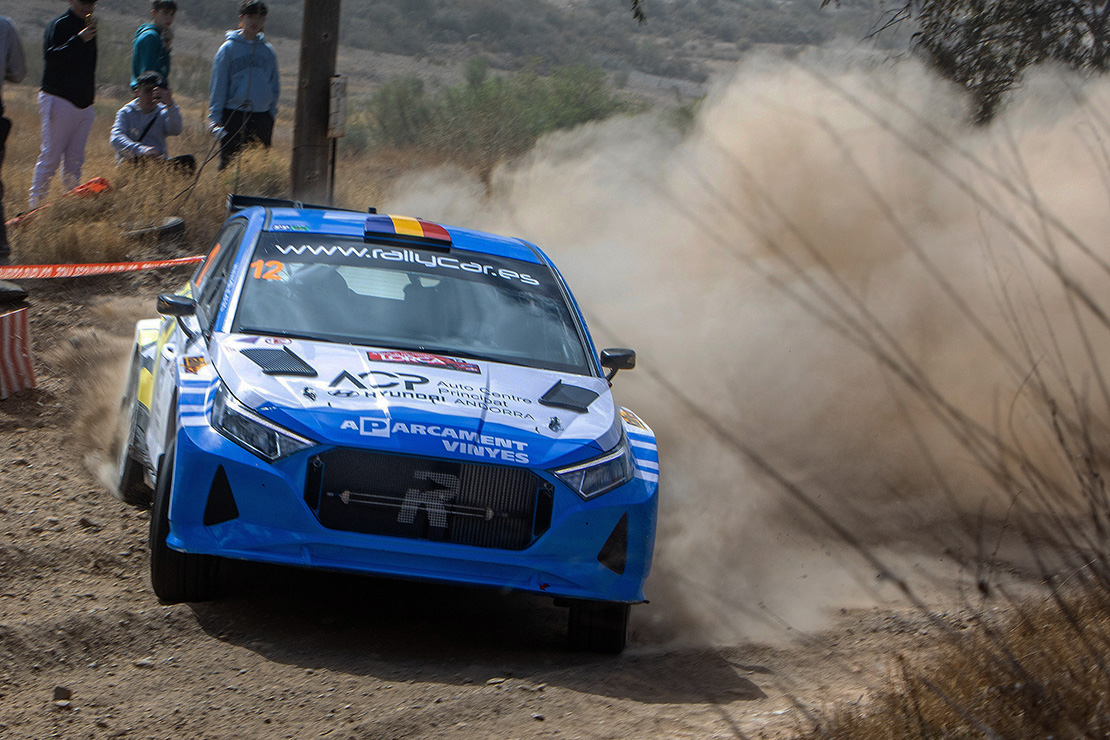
{"x": 310, "y": 171}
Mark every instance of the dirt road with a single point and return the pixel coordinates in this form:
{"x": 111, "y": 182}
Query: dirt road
{"x": 86, "y": 651}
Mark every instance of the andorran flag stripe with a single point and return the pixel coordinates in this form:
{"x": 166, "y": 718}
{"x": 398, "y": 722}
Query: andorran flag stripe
{"x": 406, "y": 228}
{"x": 435, "y": 231}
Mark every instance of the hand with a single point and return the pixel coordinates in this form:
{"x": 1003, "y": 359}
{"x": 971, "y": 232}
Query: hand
{"x": 163, "y": 95}
{"x": 167, "y": 38}
{"x": 88, "y": 33}
{"x": 150, "y": 152}
{"x": 215, "y": 129}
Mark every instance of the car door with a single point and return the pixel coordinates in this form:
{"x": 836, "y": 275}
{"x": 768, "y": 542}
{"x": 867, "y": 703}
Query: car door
{"x": 208, "y": 288}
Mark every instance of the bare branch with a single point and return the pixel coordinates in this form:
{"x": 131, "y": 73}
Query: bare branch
{"x": 638, "y": 11}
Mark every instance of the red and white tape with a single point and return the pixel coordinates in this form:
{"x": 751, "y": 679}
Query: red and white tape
{"x": 16, "y": 371}
{"x": 26, "y": 272}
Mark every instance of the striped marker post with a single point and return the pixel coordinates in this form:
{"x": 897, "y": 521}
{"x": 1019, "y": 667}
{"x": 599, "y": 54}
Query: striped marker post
{"x": 16, "y": 372}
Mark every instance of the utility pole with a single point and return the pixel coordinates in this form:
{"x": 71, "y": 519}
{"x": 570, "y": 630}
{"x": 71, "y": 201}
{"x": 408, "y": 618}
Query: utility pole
{"x": 311, "y": 169}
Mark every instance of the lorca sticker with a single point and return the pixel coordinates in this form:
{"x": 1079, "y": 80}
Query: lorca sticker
{"x": 426, "y": 360}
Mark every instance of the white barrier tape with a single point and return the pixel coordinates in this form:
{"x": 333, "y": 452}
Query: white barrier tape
{"x": 26, "y": 272}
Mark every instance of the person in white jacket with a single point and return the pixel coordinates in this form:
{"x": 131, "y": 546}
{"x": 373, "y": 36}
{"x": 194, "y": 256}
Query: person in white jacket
{"x": 143, "y": 125}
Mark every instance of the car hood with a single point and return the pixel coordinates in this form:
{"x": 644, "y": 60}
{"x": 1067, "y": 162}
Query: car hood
{"x": 415, "y": 403}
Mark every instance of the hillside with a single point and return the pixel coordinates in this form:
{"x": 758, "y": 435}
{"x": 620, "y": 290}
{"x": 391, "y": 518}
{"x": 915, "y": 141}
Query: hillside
{"x": 682, "y": 41}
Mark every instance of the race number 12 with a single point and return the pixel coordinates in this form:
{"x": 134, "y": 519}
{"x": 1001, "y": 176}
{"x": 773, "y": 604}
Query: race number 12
{"x": 270, "y": 270}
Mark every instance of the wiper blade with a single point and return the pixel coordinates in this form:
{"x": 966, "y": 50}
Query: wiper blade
{"x": 449, "y": 352}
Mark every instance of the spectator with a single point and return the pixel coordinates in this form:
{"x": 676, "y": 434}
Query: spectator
{"x": 12, "y": 68}
{"x": 243, "y": 94}
{"x": 141, "y": 126}
{"x": 65, "y": 103}
{"x": 150, "y": 51}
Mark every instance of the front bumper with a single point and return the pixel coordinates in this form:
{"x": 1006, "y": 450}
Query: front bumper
{"x": 271, "y": 522}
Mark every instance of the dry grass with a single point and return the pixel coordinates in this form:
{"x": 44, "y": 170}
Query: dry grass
{"x": 94, "y": 229}
{"x": 1041, "y": 674}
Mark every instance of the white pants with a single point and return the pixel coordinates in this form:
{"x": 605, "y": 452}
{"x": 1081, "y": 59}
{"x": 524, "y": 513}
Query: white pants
{"x": 65, "y": 129}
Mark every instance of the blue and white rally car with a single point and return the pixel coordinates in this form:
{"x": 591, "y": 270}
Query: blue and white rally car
{"x": 378, "y": 394}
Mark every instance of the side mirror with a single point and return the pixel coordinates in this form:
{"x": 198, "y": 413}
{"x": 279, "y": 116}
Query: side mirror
{"x": 179, "y": 306}
{"x": 171, "y": 304}
{"x": 617, "y": 358}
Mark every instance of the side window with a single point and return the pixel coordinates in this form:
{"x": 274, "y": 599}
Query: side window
{"x": 212, "y": 277}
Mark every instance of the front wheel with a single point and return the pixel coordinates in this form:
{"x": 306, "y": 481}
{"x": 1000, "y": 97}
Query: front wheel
{"x": 598, "y": 626}
{"x": 131, "y": 487}
{"x": 176, "y": 576}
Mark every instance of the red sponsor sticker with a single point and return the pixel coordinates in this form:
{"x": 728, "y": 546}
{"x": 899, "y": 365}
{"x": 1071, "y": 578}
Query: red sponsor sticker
{"x": 424, "y": 360}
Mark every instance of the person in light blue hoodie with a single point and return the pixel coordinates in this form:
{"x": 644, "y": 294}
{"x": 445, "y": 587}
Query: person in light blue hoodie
{"x": 243, "y": 94}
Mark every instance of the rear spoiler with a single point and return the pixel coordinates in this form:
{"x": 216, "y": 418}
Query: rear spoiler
{"x": 236, "y": 203}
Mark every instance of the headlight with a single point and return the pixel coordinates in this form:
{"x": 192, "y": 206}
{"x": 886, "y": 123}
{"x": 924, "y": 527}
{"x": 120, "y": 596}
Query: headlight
{"x": 251, "y": 431}
{"x": 595, "y": 477}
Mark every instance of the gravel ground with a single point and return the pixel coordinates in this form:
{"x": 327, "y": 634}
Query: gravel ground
{"x": 86, "y": 650}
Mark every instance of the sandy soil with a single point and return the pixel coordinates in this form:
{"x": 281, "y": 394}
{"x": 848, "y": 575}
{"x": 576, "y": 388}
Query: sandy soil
{"x": 86, "y": 651}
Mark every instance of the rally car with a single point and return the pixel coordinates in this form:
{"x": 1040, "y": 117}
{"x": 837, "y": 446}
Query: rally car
{"x": 385, "y": 395}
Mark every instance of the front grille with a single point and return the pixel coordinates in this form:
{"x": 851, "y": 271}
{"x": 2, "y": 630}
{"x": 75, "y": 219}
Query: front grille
{"x": 422, "y": 498}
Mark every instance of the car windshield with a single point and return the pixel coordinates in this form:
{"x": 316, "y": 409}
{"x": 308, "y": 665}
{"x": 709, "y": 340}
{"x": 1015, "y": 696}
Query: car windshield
{"x": 458, "y": 303}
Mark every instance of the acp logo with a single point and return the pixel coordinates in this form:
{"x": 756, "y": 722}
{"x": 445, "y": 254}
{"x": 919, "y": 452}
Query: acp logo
{"x": 367, "y": 426}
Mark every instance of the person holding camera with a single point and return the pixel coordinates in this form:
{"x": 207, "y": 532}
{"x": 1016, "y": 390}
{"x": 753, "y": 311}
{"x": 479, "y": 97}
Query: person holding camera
{"x": 66, "y": 100}
{"x": 142, "y": 126}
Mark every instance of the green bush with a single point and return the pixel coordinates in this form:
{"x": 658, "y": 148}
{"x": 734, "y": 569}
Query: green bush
{"x": 401, "y": 112}
{"x": 489, "y": 118}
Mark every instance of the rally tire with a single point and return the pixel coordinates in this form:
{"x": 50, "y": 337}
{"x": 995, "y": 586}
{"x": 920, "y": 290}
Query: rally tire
{"x": 176, "y": 576}
{"x": 166, "y": 228}
{"x": 131, "y": 487}
{"x": 598, "y": 627}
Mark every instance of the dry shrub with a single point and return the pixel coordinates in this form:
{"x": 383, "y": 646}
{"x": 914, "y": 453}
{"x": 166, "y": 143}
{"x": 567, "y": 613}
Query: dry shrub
{"x": 258, "y": 171}
{"x": 1040, "y": 674}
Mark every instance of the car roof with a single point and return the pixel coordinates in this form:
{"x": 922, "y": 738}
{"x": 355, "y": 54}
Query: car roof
{"x": 353, "y": 223}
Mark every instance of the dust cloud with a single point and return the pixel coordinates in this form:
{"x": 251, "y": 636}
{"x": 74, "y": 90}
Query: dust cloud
{"x": 830, "y": 278}
{"x": 101, "y": 358}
